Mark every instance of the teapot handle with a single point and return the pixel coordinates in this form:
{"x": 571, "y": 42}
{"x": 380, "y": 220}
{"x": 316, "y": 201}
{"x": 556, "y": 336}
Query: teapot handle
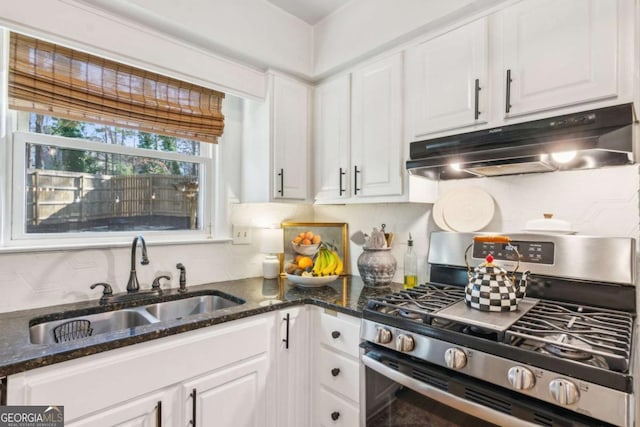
{"x": 492, "y": 239}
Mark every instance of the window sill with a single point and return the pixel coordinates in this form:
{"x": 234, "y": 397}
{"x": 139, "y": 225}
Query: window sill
{"x": 120, "y": 242}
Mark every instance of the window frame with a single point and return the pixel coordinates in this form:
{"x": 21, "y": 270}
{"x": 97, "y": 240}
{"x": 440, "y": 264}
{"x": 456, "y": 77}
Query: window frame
{"x": 18, "y": 193}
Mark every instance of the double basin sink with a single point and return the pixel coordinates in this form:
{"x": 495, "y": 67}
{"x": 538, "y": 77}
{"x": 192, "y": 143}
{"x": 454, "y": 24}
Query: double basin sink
{"x": 77, "y": 327}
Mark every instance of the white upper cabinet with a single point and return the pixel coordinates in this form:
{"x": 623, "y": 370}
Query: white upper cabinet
{"x": 359, "y": 148}
{"x": 276, "y": 143}
{"x": 376, "y": 131}
{"x": 290, "y": 136}
{"x": 331, "y": 136}
{"x": 448, "y": 79}
{"x": 559, "y": 53}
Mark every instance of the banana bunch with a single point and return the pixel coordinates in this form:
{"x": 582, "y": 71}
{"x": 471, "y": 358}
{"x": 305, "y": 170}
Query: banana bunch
{"x": 327, "y": 263}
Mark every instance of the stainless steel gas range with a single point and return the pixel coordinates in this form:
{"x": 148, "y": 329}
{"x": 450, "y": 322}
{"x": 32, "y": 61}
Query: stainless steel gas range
{"x": 565, "y": 357}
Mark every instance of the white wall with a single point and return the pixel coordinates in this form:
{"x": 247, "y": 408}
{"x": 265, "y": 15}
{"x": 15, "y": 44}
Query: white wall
{"x": 249, "y": 30}
{"x": 599, "y": 202}
{"x": 74, "y": 24}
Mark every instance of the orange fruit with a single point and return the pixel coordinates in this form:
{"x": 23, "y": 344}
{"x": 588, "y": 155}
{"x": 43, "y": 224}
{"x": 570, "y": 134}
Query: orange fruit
{"x": 306, "y": 242}
{"x": 305, "y": 262}
{"x": 308, "y": 235}
{"x": 297, "y": 239}
{"x": 316, "y": 239}
{"x": 301, "y": 235}
{"x": 297, "y": 258}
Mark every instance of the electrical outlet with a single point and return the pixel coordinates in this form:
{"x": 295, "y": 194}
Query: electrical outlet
{"x": 241, "y": 235}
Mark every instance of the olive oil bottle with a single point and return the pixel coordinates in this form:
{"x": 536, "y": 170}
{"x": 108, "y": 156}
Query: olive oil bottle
{"x": 410, "y": 266}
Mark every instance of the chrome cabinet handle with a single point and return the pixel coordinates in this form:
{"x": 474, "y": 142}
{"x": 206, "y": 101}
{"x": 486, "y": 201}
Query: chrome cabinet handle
{"x": 508, "y": 100}
{"x": 281, "y": 175}
{"x": 477, "y": 100}
{"x": 193, "y": 408}
{"x": 342, "y": 173}
{"x": 159, "y": 414}
{"x": 355, "y": 180}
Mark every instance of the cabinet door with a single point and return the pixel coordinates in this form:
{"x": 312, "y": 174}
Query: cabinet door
{"x": 331, "y": 138}
{"x": 290, "y": 109}
{"x": 447, "y": 80}
{"x": 153, "y": 410}
{"x": 293, "y": 368}
{"x": 376, "y": 133}
{"x": 233, "y": 396}
{"x": 559, "y": 53}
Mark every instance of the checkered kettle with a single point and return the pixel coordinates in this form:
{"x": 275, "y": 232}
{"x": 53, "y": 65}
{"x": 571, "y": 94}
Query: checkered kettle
{"x": 490, "y": 288}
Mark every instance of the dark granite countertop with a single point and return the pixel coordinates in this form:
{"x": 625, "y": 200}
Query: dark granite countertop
{"x": 347, "y": 295}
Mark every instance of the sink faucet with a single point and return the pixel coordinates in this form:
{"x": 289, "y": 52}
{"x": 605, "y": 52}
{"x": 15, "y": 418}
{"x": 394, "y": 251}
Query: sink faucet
{"x": 133, "y": 285}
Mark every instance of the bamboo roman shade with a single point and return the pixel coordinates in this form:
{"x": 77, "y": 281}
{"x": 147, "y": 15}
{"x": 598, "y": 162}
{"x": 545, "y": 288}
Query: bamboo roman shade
{"x": 50, "y": 79}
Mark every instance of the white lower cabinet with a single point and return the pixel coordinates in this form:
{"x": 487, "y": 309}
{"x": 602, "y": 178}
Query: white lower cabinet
{"x": 290, "y": 368}
{"x": 335, "y": 372}
{"x": 293, "y": 365}
{"x": 228, "y": 366}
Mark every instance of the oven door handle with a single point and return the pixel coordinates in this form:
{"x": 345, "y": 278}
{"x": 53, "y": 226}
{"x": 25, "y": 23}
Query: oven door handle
{"x": 448, "y": 399}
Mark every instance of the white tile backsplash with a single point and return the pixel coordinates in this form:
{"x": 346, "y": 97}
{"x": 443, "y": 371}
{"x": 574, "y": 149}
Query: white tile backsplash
{"x": 599, "y": 202}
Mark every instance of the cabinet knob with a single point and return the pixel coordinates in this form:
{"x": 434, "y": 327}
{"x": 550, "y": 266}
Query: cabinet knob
{"x": 335, "y": 335}
{"x": 335, "y": 415}
{"x": 335, "y": 372}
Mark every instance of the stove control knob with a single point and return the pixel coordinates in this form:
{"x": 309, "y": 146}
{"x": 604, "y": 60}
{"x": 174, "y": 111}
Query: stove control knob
{"x": 405, "y": 343}
{"x": 455, "y": 358}
{"x": 521, "y": 378}
{"x": 564, "y": 391}
{"x": 383, "y": 335}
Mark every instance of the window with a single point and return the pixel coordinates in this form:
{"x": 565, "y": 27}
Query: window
{"x": 103, "y": 147}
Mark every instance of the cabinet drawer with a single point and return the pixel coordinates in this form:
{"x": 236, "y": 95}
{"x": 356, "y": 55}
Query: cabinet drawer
{"x": 346, "y": 370}
{"x": 331, "y": 410}
{"x": 338, "y": 333}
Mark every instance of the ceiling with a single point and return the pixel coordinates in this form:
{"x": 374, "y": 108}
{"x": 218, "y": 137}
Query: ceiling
{"x": 310, "y": 11}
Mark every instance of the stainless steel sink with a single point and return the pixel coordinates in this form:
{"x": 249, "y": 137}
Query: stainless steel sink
{"x": 172, "y": 310}
{"x": 101, "y": 323}
{"x": 78, "y": 327}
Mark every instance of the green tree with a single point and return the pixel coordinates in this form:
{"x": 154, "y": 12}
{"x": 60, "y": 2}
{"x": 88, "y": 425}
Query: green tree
{"x": 74, "y": 160}
{"x": 169, "y": 143}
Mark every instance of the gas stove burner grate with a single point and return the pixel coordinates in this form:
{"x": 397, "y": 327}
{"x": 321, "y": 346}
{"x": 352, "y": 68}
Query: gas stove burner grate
{"x": 577, "y": 332}
{"x": 417, "y": 303}
{"x": 558, "y": 347}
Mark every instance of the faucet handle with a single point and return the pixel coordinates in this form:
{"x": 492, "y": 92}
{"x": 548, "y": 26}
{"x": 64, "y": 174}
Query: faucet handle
{"x": 156, "y": 281}
{"x": 107, "y": 291}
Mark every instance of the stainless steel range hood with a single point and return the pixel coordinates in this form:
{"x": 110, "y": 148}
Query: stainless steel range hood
{"x": 584, "y": 140}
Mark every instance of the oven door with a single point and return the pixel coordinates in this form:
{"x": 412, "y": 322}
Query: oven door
{"x": 402, "y": 391}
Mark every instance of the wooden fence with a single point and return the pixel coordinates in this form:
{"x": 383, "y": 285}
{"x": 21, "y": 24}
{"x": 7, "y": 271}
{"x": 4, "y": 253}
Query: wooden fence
{"x": 55, "y": 197}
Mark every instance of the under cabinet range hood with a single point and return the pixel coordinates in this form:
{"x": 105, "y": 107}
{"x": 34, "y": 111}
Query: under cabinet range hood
{"x": 584, "y": 140}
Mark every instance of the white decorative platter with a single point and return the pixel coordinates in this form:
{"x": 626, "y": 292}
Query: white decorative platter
{"x": 467, "y": 209}
{"x": 438, "y": 216}
{"x": 310, "y": 282}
